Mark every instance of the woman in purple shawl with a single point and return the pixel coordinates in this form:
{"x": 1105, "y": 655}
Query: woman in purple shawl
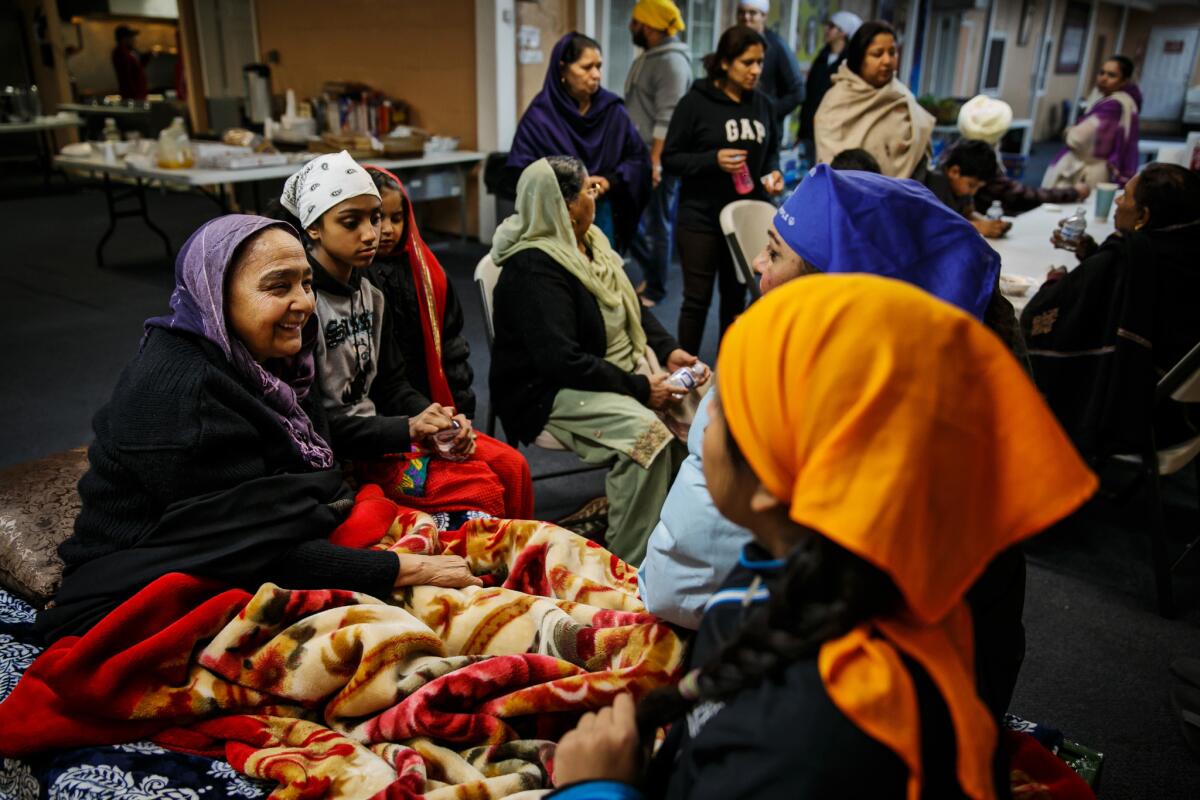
{"x": 574, "y": 116}
{"x": 1103, "y": 146}
{"x": 212, "y": 456}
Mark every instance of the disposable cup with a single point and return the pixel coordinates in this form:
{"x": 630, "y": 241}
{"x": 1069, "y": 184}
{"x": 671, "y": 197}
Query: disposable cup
{"x": 1105, "y": 192}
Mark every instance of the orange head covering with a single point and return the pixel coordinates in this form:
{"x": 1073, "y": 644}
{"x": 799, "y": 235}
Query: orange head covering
{"x": 897, "y": 426}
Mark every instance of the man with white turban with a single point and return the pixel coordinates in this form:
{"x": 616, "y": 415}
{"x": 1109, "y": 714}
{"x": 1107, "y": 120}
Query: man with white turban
{"x": 839, "y": 28}
{"x": 987, "y": 119}
{"x": 780, "y": 78}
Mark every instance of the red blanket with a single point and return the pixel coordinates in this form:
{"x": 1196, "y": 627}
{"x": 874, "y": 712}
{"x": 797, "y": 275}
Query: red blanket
{"x": 336, "y": 694}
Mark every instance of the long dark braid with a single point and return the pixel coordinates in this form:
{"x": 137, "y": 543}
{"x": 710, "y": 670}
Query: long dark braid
{"x": 823, "y": 593}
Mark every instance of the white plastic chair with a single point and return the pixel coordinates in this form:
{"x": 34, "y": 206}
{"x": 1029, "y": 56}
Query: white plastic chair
{"x": 1180, "y": 385}
{"x": 745, "y": 224}
{"x": 487, "y": 274}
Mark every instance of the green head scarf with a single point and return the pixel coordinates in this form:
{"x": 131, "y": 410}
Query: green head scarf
{"x": 542, "y": 222}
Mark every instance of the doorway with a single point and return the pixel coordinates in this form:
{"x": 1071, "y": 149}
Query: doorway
{"x": 1170, "y": 59}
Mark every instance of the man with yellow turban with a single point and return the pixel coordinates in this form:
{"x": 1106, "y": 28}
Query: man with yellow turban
{"x": 658, "y": 78}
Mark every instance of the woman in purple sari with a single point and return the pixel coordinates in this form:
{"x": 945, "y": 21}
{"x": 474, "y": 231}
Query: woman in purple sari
{"x": 574, "y": 116}
{"x": 1103, "y": 146}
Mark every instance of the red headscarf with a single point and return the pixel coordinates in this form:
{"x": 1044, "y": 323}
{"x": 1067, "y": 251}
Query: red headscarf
{"x": 430, "y": 281}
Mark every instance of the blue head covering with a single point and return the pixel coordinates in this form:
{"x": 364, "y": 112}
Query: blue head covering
{"x": 848, "y": 221}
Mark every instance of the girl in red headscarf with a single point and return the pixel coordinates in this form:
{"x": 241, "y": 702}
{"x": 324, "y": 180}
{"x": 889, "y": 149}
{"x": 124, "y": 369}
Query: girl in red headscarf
{"x": 427, "y": 326}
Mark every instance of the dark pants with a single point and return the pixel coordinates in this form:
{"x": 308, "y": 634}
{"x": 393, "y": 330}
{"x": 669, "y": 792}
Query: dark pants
{"x": 651, "y": 245}
{"x": 705, "y": 257}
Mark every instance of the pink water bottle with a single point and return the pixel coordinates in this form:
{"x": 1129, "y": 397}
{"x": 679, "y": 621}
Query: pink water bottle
{"x": 742, "y": 182}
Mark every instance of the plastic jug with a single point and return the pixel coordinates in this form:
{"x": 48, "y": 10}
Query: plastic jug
{"x": 174, "y": 146}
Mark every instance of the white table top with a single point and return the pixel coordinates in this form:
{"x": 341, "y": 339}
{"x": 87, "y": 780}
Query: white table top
{"x": 42, "y": 124}
{"x": 108, "y": 111}
{"x": 1154, "y": 145}
{"x": 215, "y": 177}
{"x": 1026, "y": 251}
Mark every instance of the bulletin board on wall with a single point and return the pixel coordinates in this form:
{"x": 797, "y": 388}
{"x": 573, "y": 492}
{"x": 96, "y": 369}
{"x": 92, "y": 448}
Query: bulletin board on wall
{"x": 1073, "y": 40}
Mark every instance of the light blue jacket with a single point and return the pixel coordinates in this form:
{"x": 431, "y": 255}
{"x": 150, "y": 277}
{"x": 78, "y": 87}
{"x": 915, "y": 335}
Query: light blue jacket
{"x": 693, "y": 547}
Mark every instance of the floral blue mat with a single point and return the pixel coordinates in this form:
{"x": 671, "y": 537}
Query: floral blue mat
{"x": 138, "y": 771}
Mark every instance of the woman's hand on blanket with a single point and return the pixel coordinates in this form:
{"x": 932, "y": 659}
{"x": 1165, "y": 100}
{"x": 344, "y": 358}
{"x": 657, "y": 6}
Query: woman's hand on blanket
{"x": 424, "y": 425}
{"x": 604, "y": 746}
{"x": 663, "y": 395}
{"x": 449, "y": 572}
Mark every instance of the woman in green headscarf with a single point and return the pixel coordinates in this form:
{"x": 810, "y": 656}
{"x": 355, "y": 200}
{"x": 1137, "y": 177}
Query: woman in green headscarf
{"x": 575, "y": 354}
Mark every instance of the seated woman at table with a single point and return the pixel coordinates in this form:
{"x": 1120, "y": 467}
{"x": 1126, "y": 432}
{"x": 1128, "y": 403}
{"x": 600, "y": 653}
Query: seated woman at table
{"x": 574, "y": 115}
{"x": 869, "y": 107}
{"x": 1103, "y": 145}
{"x": 1101, "y": 335}
{"x": 693, "y": 548}
{"x": 986, "y": 119}
{"x": 856, "y": 434}
{"x": 212, "y": 456}
{"x": 573, "y": 345}
{"x": 379, "y": 418}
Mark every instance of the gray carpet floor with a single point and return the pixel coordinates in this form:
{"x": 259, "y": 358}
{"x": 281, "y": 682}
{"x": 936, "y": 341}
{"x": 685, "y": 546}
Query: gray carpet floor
{"x": 1097, "y": 655}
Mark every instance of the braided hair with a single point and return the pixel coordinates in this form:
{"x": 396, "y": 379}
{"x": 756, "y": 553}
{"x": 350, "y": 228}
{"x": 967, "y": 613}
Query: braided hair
{"x": 823, "y": 593}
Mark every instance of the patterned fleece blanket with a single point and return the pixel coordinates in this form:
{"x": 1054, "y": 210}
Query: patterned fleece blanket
{"x": 436, "y": 693}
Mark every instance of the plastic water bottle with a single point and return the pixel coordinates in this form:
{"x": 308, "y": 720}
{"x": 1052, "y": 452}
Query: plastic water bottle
{"x": 1072, "y": 230}
{"x": 687, "y": 378}
{"x": 995, "y": 211}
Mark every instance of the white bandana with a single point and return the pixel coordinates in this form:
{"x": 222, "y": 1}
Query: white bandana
{"x": 984, "y": 118}
{"x": 758, "y": 5}
{"x": 323, "y": 183}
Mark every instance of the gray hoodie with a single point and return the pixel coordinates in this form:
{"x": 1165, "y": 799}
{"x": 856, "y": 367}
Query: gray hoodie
{"x": 657, "y": 80}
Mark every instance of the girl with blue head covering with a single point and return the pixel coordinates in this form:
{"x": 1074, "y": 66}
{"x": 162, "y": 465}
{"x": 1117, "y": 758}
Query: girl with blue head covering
{"x": 849, "y": 221}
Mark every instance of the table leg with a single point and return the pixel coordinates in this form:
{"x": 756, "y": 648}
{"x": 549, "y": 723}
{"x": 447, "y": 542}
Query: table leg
{"x": 111, "y": 202}
{"x": 141, "y": 193}
{"x": 113, "y": 198}
{"x": 462, "y": 202}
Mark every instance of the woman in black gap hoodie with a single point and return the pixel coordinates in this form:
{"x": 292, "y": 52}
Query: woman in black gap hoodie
{"x": 721, "y": 126}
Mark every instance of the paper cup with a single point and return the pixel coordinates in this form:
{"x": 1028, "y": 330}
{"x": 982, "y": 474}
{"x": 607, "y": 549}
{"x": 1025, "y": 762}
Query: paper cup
{"x": 1105, "y": 192}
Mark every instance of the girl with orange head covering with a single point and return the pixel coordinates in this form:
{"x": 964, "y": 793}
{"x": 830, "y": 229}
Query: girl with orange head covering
{"x": 883, "y": 447}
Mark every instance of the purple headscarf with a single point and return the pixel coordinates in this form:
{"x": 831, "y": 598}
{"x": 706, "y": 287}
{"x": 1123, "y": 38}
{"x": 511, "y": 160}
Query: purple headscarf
{"x": 198, "y": 306}
{"x": 605, "y": 140}
{"x": 1113, "y": 144}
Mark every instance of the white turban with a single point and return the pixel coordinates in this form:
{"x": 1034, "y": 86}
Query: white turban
{"x": 323, "y": 183}
{"x": 848, "y": 21}
{"x": 758, "y": 5}
{"x": 984, "y": 118}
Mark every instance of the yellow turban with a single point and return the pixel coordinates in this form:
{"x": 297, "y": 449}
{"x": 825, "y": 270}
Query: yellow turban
{"x": 662, "y": 15}
{"x": 897, "y": 426}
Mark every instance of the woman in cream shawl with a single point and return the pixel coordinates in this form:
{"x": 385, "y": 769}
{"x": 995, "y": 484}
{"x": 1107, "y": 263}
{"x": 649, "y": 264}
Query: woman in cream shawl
{"x": 577, "y": 358}
{"x": 869, "y": 108}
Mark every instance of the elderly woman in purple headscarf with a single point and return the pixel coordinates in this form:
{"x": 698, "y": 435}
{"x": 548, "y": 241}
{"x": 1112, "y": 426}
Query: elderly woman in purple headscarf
{"x": 574, "y": 116}
{"x": 1102, "y": 146}
{"x": 212, "y": 456}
